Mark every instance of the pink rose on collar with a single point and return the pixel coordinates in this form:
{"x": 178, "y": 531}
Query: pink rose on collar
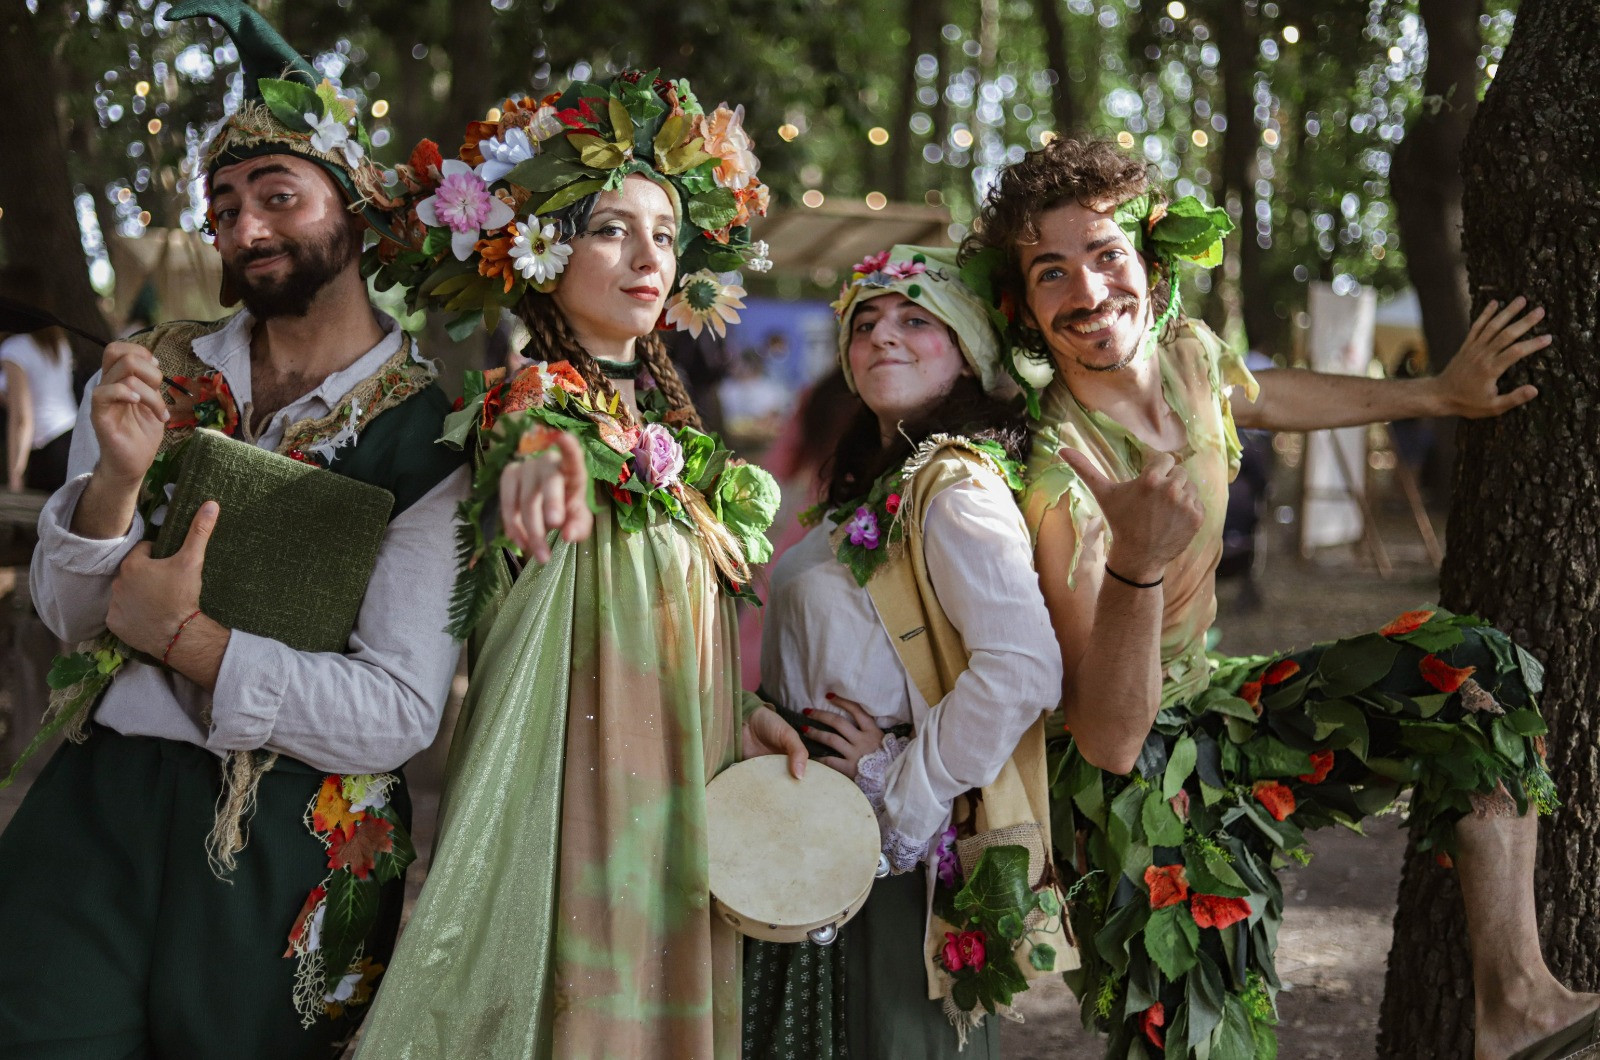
{"x": 658, "y": 458}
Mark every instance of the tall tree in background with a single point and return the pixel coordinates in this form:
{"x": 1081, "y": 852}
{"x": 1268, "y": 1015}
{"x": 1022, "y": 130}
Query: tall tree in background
{"x": 1522, "y": 547}
{"x": 40, "y": 221}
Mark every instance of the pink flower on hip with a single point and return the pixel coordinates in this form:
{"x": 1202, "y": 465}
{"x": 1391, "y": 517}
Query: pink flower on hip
{"x": 863, "y": 528}
{"x": 658, "y": 458}
{"x": 463, "y": 204}
{"x": 963, "y": 951}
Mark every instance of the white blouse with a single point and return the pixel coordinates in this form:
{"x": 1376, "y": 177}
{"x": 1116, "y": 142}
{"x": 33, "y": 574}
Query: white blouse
{"x": 822, "y": 634}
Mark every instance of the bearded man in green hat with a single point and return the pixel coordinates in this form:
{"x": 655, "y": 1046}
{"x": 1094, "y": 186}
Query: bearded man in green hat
{"x": 1178, "y": 779}
{"x": 214, "y": 866}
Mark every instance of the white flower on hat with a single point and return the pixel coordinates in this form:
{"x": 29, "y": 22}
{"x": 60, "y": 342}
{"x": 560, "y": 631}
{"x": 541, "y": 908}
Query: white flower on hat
{"x": 537, "y": 253}
{"x": 1036, "y": 370}
{"x": 502, "y": 154}
{"x": 329, "y": 134}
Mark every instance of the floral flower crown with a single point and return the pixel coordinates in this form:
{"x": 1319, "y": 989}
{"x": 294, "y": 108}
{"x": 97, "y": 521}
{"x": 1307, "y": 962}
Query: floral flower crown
{"x": 1165, "y": 234}
{"x": 476, "y": 232}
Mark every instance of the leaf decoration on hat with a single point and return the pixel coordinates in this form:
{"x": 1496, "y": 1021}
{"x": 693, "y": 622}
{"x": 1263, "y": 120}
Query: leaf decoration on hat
{"x": 290, "y": 101}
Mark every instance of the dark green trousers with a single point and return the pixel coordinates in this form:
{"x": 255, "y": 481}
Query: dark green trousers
{"x": 118, "y": 942}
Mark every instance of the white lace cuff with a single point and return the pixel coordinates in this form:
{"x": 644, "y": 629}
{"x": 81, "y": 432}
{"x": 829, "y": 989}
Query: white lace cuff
{"x": 872, "y": 777}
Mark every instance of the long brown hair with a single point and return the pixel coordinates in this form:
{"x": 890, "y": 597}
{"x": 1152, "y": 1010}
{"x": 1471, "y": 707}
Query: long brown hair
{"x": 861, "y": 456}
{"x": 554, "y": 340}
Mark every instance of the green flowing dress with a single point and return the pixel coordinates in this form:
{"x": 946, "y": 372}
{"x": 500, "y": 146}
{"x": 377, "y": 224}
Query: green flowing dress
{"x": 567, "y": 912}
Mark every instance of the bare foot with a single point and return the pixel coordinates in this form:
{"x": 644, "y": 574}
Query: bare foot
{"x": 1508, "y": 1028}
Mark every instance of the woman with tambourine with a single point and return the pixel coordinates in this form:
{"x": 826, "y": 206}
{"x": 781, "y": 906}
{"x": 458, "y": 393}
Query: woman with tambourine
{"x": 907, "y": 637}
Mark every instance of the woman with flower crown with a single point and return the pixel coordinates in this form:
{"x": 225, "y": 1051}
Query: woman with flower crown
{"x": 908, "y": 632}
{"x": 567, "y": 911}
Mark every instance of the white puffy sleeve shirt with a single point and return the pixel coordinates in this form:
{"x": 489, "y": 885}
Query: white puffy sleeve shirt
{"x": 822, "y": 634}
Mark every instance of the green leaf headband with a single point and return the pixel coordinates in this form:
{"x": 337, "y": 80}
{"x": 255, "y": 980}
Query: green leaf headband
{"x": 1186, "y": 230}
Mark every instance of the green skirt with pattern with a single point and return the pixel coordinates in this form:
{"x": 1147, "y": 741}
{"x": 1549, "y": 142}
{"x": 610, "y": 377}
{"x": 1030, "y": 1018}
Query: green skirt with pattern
{"x": 864, "y": 997}
{"x": 1176, "y": 904}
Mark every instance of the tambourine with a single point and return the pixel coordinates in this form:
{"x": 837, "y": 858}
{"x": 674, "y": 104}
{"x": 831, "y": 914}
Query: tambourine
{"x": 790, "y": 860}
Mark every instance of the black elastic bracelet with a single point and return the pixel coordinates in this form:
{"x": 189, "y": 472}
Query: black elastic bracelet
{"x": 1130, "y": 581}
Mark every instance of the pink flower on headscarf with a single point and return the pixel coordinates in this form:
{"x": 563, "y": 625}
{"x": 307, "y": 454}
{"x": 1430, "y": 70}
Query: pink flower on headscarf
{"x": 871, "y": 263}
{"x": 902, "y": 269}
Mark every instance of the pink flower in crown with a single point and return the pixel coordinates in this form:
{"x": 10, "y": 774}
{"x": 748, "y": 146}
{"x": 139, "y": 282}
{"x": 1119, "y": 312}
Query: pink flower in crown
{"x": 463, "y": 204}
{"x": 871, "y": 263}
{"x": 863, "y": 528}
{"x": 658, "y": 458}
{"x": 902, "y": 269}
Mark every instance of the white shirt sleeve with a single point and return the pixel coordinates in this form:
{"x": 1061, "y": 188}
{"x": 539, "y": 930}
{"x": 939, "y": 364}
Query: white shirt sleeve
{"x": 981, "y": 565}
{"x": 380, "y": 702}
{"x": 71, "y": 576}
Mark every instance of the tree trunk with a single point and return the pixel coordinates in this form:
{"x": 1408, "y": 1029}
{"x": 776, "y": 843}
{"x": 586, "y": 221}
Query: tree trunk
{"x": 1238, "y": 41}
{"x": 918, "y": 31}
{"x": 470, "y": 68}
{"x": 1058, "y": 57}
{"x": 1522, "y": 549}
{"x": 1427, "y": 198}
{"x": 40, "y": 225}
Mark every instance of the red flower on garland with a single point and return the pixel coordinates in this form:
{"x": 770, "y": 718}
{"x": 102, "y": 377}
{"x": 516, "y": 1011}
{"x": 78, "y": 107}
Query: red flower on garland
{"x": 567, "y": 377}
{"x": 1280, "y": 671}
{"x": 620, "y": 495}
{"x": 1168, "y": 884}
{"x": 1250, "y": 692}
{"x": 1321, "y": 766}
{"x": 201, "y": 401}
{"x": 1277, "y": 798}
{"x": 892, "y": 505}
{"x": 1444, "y": 861}
{"x": 963, "y": 951}
{"x": 1409, "y": 622}
{"x": 1213, "y": 910}
{"x": 1442, "y": 675}
{"x": 1151, "y": 1020}
{"x": 1180, "y": 804}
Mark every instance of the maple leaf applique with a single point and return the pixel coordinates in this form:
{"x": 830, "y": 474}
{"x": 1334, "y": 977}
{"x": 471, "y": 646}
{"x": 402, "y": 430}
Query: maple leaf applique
{"x": 332, "y": 812}
{"x": 358, "y": 850}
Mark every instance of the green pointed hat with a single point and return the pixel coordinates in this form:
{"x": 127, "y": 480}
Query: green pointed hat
{"x": 289, "y": 108}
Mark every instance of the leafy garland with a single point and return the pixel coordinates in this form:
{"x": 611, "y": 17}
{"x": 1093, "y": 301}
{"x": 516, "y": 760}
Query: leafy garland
{"x": 996, "y": 902}
{"x": 870, "y": 529}
{"x": 652, "y": 471}
{"x": 368, "y": 846}
{"x": 1178, "y": 906}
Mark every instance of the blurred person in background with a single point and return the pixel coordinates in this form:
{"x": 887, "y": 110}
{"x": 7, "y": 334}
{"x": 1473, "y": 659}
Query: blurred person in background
{"x": 39, "y": 400}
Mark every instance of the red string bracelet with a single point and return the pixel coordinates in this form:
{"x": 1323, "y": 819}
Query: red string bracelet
{"x": 173, "y": 642}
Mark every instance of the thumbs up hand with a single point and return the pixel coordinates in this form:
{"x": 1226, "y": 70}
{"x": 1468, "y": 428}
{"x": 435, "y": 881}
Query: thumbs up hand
{"x": 150, "y": 598}
{"x": 1151, "y": 518}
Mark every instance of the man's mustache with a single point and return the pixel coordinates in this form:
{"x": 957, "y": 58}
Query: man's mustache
{"x": 245, "y": 257}
{"x": 1115, "y": 304}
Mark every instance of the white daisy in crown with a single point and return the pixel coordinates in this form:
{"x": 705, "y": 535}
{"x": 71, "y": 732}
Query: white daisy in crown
{"x": 536, "y": 253}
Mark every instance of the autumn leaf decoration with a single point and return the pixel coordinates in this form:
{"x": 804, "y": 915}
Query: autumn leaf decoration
{"x": 368, "y": 846}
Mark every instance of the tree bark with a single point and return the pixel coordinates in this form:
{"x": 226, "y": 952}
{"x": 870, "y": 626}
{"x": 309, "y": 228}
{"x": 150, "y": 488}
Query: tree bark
{"x": 1238, "y": 41}
{"x": 1522, "y": 551}
{"x": 919, "y": 38}
{"x": 40, "y": 224}
{"x": 1062, "y": 105}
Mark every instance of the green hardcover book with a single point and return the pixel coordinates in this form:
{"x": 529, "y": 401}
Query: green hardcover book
{"x": 294, "y": 545}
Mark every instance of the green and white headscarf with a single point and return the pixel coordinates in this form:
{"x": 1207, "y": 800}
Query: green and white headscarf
{"x": 929, "y": 277}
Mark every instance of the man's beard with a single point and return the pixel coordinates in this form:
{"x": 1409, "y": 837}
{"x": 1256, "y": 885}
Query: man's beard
{"x": 313, "y": 264}
{"x": 1117, "y": 303}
